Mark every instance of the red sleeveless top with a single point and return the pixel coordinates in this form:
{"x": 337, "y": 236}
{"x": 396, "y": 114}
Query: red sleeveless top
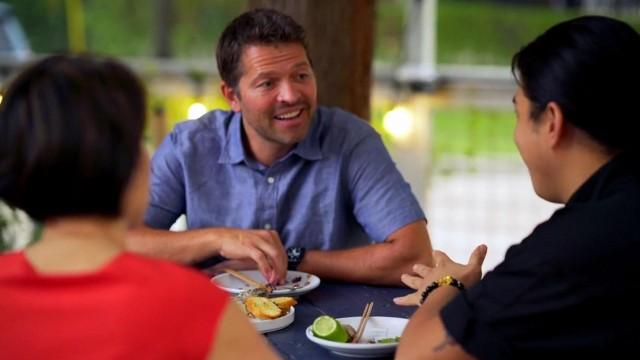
{"x": 132, "y": 308}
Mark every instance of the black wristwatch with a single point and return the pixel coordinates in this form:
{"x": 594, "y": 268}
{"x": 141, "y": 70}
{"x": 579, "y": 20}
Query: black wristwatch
{"x": 294, "y": 257}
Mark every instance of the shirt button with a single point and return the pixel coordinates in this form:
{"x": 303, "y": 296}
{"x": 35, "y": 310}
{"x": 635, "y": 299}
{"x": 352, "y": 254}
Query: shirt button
{"x": 271, "y": 180}
{"x": 267, "y": 226}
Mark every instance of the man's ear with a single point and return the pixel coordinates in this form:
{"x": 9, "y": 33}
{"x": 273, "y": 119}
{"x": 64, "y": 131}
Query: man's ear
{"x": 229, "y": 93}
{"x": 555, "y": 125}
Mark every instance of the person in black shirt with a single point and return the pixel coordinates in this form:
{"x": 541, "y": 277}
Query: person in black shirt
{"x": 568, "y": 289}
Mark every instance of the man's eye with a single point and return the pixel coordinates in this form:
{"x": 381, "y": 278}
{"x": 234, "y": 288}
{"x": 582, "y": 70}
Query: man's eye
{"x": 265, "y": 84}
{"x": 303, "y": 76}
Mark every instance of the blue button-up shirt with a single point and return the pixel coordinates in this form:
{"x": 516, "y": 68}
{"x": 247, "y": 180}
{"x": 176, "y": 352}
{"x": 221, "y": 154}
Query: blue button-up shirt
{"x": 337, "y": 188}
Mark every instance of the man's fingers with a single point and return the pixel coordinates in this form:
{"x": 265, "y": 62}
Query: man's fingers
{"x": 407, "y": 300}
{"x": 411, "y": 281}
{"x": 272, "y": 247}
{"x": 422, "y": 270}
{"x": 263, "y": 264}
{"x": 478, "y": 255}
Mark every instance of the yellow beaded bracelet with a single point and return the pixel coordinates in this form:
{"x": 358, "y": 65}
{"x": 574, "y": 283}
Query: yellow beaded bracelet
{"x": 447, "y": 280}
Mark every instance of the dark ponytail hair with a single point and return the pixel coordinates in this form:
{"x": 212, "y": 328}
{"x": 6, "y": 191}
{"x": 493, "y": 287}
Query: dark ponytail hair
{"x": 70, "y": 135}
{"x": 589, "y": 66}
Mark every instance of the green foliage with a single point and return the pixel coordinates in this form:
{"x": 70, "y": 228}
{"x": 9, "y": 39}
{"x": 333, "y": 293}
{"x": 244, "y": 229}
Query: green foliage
{"x": 44, "y": 23}
{"x": 472, "y": 131}
{"x": 469, "y": 31}
{"x": 485, "y": 32}
{"x": 390, "y": 25}
{"x": 199, "y": 23}
{"x": 119, "y": 27}
{"x": 125, "y": 27}
{"x": 472, "y": 31}
{"x": 4, "y": 223}
{"x": 479, "y": 32}
{"x": 16, "y": 229}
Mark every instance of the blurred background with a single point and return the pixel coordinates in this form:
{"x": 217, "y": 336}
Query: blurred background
{"x": 433, "y": 77}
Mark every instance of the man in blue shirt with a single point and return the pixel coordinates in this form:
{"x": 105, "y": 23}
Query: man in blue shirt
{"x": 278, "y": 172}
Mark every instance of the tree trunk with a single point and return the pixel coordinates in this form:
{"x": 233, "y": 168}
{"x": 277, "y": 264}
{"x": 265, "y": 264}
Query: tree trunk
{"x": 340, "y": 37}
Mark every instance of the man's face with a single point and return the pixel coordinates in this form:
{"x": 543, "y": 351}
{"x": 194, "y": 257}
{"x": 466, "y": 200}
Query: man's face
{"x": 528, "y": 142}
{"x": 276, "y": 94}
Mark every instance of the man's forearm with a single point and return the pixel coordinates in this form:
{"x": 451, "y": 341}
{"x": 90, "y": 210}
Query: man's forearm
{"x": 360, "y": 265}
{"x": 425, "y": 336}
{"x": 184, "y": 247}
{"x": 380, "y": 264}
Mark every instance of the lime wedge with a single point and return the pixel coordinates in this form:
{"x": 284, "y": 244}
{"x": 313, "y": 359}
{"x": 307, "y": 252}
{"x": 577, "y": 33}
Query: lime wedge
{"x": 328, "y": 328}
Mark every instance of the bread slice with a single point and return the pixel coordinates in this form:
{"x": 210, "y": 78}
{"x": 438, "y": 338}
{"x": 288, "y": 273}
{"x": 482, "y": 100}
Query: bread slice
{"x": 262, "y": 308}
{"x": 284, "y": 302}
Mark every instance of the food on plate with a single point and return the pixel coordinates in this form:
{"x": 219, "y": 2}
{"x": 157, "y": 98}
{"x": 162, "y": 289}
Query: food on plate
{"x": 267, "y": 309}
{"x": 387, "y": 340}
{"x": 328, "y": 328}
{"x": 351, "y": 331}
{"x": 259, "y": 292}
{"x": 283, "y": 302}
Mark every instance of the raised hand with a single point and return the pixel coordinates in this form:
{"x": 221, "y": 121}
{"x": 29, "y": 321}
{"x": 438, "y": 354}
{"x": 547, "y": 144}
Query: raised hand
{"x": 468, "y": 274}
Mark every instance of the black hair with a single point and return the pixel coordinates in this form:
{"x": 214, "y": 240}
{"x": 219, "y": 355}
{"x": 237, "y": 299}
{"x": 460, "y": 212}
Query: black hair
{"x": 70, "y": 136}
{"x": 589, "y": 66}
{"x": 258, "y": 26}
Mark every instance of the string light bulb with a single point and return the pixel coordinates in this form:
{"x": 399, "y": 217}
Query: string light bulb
{"x": 196, "y": 110}
{"x": 399, "y": 122}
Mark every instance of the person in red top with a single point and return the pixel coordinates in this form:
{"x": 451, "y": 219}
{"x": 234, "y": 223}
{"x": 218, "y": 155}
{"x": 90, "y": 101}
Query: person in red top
{"x": 71, "y": 156}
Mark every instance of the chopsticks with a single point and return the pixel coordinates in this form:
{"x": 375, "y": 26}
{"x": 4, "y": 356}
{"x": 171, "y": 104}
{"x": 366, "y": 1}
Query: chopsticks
{"x": 363, "y": 322}
{"x": 248, "y": 280}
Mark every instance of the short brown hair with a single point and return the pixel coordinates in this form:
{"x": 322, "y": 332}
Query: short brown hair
{"x": 258, "y": 26}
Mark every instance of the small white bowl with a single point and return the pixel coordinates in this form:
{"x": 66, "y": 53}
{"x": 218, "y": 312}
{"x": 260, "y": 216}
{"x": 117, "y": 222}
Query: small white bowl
{"x": 275, "y": 324}
{"x": 377, "y": 327}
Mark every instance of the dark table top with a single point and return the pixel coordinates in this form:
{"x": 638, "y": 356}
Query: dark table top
{"x": 337, "y": 300}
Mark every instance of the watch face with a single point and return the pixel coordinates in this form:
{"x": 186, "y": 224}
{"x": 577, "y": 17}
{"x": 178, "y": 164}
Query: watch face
{"x": 294, "y": 252}
{"x": 294, "y": 257}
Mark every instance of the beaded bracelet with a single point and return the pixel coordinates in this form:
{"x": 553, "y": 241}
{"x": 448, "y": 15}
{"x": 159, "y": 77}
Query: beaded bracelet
{"x": 447, "y": 280}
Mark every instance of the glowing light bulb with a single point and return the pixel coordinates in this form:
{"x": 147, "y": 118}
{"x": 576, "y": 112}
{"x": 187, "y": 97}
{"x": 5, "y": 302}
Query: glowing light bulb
{"x": 399, "y": 122}
{"x": 196, "y": 110}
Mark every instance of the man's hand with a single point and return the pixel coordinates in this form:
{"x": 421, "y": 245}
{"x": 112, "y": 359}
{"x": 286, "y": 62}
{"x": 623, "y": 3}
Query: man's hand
{"x": 261, "y": 247}
{"x": 468, "y": 274}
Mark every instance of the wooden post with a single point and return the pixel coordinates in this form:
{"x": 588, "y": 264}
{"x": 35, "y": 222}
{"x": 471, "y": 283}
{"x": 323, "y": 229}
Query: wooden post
{"x": 340, "y": 37}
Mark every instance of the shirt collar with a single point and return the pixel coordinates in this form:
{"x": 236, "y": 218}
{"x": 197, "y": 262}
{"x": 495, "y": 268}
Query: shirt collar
{"x": 233, "y": 151}
{"x": 600, "y": 182}
{"x": 309, "y": 147}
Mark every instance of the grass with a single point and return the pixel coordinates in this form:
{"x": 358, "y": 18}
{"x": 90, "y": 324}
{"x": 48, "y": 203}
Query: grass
{"x": 473, "y": 132}
{"x": 468, "y": 131}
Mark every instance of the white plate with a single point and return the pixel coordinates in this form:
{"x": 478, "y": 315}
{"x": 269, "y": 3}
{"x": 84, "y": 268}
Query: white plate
{"x": 307, "y": 282}
{"x": 377, "y": 327}
{"x": 276, "y": 324}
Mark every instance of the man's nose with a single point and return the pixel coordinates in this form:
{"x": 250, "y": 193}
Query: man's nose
{"x": 288, "y": 93}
